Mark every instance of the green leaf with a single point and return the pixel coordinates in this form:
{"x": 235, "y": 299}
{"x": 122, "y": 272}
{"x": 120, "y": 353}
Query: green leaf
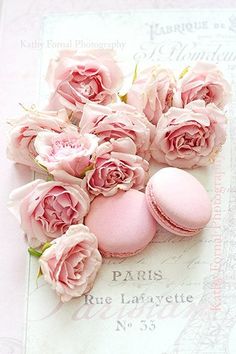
{"x": 33, "y": 252}
{"x": 184, "y": 72}
{"x": 50, "y": 178}
{"x": 41, "y": 166}
{"x": 88, "y": 168}
{"x": 135, "y": 73}
{"x": 40, "y": 273}
{"x": 124, "y": 97}
{"x": 46, "y": 246}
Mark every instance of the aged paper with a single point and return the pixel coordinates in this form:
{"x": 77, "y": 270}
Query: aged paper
{"x": 178, "y": 296}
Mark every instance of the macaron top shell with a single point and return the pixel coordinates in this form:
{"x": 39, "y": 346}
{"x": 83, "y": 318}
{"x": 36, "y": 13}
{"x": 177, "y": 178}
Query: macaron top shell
{"x": 178, "y": 201}
{"x": 122, "y": 223}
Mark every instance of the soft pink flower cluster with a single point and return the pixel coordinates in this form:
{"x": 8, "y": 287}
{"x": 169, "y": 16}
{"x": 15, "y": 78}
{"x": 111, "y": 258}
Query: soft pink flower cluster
{"x": 190, "y": 125}
{"x": 88, "y": 142}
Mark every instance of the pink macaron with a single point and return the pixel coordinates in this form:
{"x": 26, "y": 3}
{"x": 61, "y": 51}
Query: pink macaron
{"x": 122, "y": 223}
{"x": 178, "y": 201}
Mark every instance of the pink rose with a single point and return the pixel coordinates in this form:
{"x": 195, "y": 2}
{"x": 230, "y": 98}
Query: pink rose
{"x": 152, "y": 92}
{"x": 92, "y": 76}
{"x": 47, "y": 209}
{"x": 24, "y": 131}
{"x": 189, "y": 137}
{"x": 116, "y": 167}
{"x": 118, "y": 121}
{"x": 66, "y": 155}
{"x": 70, "y": 265}
{"x": 205, "y": 82}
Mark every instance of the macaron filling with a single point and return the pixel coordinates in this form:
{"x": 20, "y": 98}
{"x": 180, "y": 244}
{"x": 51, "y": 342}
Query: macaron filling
{"x": 108, "y": 254}
{"x": 163, "y": 218}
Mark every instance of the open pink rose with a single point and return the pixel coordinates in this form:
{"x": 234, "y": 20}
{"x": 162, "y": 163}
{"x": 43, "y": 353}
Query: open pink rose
{"x": 204, "y": 81}
{"x": 76, "y": 79}
{"x": 189, "y": 137}
{"x": 66, "y": 155}
{"x": 116, "y": 167}
{"x": 70, "y": 265}
{"x": 118, "y": 121}
{"x": 24, "y": 131}
{"x": 47, "y": 209}
{"x": 152, "y": 92}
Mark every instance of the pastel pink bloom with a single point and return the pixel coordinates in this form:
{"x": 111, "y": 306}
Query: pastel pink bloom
{"x": 66, "y": 155}
{"x": 191, "y": 136}
{"x": 118, "y": 121}
{"x": 47, "y": 209}
{"x": 117, "y": 167}
{"x": 70, "y": 265}
{"x": 152, "y": 92}
{"x": 204, "y": 81}
{"x": 79, "y": 78}
{"x": 24, "y": 131}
